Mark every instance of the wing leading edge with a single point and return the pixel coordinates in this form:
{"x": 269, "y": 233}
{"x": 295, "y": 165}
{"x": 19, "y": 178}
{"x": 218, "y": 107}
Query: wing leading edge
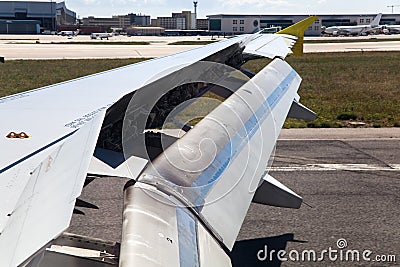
{"x": 55, "y": 116}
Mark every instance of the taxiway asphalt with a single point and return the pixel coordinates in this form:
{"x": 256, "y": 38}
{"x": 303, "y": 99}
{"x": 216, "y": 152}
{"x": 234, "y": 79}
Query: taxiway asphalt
{"x": 358, "y": 205}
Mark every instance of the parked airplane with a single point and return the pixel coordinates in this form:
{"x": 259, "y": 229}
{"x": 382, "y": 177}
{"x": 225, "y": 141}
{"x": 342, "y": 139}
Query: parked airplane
{"x": 353, "y": 30}
{"x": 188, "y": 195}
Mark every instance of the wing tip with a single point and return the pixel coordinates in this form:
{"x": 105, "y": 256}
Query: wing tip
{"x": 298, "y": 30}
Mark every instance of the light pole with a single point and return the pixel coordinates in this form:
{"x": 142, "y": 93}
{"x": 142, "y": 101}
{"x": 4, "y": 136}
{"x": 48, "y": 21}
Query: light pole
{"x": 52, "y": 15}
{"x": 393, "y": 6}
{"x": 195, "y": 3}
{"x": 195, "y": 7}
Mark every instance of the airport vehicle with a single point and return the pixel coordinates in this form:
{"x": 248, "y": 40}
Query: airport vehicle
{"x": 353, "y": 30}
{"x": 271, "y": 30}
{"x": 101, "y": 36}
{"x": 188, "y": 193}
{"x": 68, "y": 33}
{"x": 391, "y": 29}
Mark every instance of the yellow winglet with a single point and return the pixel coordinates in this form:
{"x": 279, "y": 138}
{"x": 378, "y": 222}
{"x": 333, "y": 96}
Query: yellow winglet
{"x": 298, "y": 30}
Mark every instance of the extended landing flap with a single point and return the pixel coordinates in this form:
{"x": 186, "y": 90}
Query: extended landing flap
{"x": 273, "y": 193}
{"x": 298, "y": 111}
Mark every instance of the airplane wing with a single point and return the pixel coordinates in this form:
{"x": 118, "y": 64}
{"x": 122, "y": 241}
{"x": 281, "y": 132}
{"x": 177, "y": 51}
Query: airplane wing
{"x": 191, "y": 191}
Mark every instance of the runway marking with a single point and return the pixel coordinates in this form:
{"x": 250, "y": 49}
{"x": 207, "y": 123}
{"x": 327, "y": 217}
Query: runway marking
{"x": 337, "y": 167}
{"x": 377, "y": 138}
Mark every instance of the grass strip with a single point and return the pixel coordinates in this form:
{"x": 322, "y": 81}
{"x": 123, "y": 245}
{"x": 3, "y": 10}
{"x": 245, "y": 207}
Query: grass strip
{"x": 343, "y": 88}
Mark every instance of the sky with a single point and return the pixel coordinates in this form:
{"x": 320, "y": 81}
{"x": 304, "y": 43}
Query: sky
{"x": 154, "y": 8}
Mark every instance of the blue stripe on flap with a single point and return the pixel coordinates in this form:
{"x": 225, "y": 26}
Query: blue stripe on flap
{"x": 206, "y": 180}
{"x": 187, "y": 238}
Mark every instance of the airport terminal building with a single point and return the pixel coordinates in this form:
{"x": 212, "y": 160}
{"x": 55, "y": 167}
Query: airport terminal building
{"x": 240, "y": 24}
{"x": 22, "y": 17}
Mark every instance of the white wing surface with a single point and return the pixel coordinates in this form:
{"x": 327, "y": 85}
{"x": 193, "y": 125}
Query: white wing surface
{"x": 53, "y": 137}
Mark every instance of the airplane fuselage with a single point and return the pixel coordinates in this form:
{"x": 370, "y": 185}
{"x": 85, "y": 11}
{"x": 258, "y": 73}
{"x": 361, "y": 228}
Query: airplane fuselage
{"x": 348, "y": 30}
{"x": 354, "y": 30}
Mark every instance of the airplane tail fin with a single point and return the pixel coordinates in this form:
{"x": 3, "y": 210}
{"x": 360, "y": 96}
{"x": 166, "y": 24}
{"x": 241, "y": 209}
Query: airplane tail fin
{"x": 376, "y": 20}
{"x": 298, "y": 30}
